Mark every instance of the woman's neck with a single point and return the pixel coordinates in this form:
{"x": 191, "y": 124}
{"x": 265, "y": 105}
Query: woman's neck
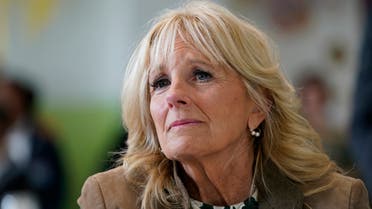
{"x": 221, "y": 179}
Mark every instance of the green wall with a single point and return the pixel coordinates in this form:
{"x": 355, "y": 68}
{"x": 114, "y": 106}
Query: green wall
{"x": 85, "y": 137}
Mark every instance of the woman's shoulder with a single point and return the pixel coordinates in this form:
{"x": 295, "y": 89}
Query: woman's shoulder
{"x": 108, "y": 189}
{"x": 346, "y": 193}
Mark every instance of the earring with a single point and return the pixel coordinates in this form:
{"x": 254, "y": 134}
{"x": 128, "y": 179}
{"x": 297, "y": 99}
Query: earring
{"x": 256, "y": 133}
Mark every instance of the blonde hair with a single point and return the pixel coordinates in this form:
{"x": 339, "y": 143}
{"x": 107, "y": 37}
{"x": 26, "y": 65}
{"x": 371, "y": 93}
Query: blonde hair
{"x": 288, "y": 140}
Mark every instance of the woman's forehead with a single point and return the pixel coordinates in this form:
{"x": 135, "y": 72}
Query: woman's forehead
{"x": 161, "y": 59}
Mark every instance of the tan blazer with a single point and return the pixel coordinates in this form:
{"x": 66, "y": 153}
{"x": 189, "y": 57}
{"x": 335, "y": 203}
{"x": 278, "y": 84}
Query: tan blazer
{"x": 110, "y": 190}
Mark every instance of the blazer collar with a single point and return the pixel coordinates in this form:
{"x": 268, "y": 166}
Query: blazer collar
{"x": 282, "y": 192}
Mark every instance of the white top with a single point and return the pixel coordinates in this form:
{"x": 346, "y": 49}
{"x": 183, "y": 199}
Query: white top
{"x": 249, "y": 203}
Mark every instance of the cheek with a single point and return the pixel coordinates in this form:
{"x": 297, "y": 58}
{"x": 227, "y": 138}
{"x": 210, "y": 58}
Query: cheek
{"x": 233, "y": 110}
{"x": 157, "y": 112}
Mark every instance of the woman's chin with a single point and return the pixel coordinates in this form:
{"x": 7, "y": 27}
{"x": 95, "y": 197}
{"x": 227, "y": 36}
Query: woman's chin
{"x": 181, "y": 154}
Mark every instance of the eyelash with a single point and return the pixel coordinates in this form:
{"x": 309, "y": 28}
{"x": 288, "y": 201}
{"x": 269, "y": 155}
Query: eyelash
{"x": 207, "y": 76}
{"x": 163, "y": 81}
{"x": 160, "y": 82}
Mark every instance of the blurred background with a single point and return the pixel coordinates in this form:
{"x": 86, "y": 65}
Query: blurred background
{"x": 70, "y": 55}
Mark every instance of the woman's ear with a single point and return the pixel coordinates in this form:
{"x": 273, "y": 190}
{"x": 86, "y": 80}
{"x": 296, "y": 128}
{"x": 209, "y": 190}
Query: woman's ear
{"x": 255, "y": 118}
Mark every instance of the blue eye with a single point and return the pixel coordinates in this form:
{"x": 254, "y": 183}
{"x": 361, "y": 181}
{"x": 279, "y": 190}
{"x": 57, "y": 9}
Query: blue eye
{"x": 160, "y": 83}
{"x": 201, "y": 75}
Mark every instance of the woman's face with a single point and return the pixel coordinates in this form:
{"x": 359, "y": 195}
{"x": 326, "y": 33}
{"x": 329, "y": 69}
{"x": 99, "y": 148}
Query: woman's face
{"x": 198, "y": 109}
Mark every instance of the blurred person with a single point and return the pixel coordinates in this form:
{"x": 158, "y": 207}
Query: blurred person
{"x": 315, "y": 94}
{"x": 361, "y": 127}
{"x": 31, "y": 168}
{"x": 4, "y": 126}
{"x": 212, "y": 122}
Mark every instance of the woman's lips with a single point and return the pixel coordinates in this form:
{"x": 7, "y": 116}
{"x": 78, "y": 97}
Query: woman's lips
{"x": 183, "y": 122}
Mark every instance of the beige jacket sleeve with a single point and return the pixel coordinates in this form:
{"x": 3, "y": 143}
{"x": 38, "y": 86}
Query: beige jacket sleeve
{"x": 347, "y": 193}
{"x": 108, "y": 190}
{"x": 91, "y": 195}
{"x": 359, "y": 196}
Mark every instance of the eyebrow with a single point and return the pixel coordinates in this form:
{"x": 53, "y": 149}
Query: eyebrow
{"x": 199, "y": 61}
{"x": 161, "y": 67}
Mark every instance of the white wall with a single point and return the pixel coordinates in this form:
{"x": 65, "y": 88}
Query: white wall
{"x": 80, "y": 56}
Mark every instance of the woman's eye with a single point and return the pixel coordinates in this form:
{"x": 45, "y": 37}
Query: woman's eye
{"x": 201, "y": 75}
{"x": 160, "y": 83}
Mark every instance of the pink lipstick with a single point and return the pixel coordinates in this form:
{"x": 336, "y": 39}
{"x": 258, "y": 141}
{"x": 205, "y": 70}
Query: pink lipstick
{"x": 183, "y": 122}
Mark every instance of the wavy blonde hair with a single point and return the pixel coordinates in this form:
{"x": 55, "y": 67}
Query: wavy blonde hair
{"x": 288, "y": 140}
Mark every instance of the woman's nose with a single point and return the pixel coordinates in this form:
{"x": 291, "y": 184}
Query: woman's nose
{"x": 177, "y": 95}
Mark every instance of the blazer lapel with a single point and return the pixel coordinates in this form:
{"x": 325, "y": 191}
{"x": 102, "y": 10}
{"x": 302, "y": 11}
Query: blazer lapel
{"x": 282, "y": 194}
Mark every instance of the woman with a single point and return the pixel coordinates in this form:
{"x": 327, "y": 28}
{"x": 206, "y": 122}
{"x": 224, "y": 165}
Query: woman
{"x": 213, "y": 122}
